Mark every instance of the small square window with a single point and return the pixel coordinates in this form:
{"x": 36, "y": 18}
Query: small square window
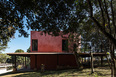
{"x": 65, "y": 45}
{"x": 34, "y": 45}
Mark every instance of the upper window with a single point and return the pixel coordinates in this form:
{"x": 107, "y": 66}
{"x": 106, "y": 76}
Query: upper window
{"x": 34, "y": 45}
{"x": 65, "y": 45}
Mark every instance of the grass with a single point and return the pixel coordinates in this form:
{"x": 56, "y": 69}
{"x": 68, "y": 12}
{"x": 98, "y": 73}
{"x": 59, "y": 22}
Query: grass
{"x": 98, "y": 72}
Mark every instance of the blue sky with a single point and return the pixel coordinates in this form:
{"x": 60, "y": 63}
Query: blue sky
{"x": 18, "y": 43}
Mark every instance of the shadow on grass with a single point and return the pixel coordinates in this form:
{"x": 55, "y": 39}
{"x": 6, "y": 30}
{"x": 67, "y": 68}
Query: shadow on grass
{"x": 39, "y": 73}
{"x": 67, "y": 72}
{"x": 9, "y": 73}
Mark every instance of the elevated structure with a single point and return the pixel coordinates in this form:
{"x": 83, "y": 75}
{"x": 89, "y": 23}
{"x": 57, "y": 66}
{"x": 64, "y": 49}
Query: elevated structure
{"x": 52, "y": 51}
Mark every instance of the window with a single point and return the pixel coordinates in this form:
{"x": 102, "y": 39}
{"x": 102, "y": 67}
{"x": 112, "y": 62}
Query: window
{"x": 65, "y": 45}
{"x": 34, "y": 45}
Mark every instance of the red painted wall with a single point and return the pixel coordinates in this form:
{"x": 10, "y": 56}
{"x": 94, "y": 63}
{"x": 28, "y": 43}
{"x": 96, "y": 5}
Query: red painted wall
{"x": 47, "y": 43}
{"x": 66, "y": 60}
{"x": 52, "y": 61}
{"x": 32, "y": 63}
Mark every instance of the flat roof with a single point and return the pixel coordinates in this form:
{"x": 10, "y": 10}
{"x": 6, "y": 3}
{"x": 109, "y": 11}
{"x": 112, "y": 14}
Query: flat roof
{"x": 55, "y": 53}
{"x": 36, "y": 53}
{"x": 94, "y": 54}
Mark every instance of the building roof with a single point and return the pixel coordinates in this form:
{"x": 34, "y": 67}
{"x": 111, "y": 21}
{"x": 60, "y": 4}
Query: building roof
{"x": 55, "y": 53}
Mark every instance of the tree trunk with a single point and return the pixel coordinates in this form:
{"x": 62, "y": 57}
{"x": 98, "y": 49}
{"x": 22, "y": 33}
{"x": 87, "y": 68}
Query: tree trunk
{"x": 92, "y": 68}
{"x": 101, "y": 60}
{"x": 114, "y": 68}
{"x": 77, "y": 60}
{"x": 113, "y": 61}
{"x": 76, "y": 56}
{"x": 108, "y": 62}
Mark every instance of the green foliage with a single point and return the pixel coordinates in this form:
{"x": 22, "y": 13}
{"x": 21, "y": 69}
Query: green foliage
{"x": 19, "y": 51}
{"x": 2, "y": 47}
{"x": 19, "y": 58}
{"x": 28, "y": 50}
{"x": 19, "y": 66}
{"x": 107, "y": 53}
{"x": 3, "y": 57}
{"x": 28, "y": 58}
{"x": 54, "y": 16}
{"x": 48, "y": 16}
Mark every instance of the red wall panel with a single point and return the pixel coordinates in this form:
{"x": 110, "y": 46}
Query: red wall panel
{"x": 52, "y": 61}
{"x": 32, "y": 63}
{"x": 47, "y": 43}
{"x": 65, "y": 60}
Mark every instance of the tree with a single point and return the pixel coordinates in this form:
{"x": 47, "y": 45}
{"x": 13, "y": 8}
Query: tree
{"x": 10, "y": 20}
{"x": 3, "y": 58}
{"x": 19, "y": 51}
{"x": 53, "y": 16}
{"x": 105, "y": 9}
{"x": 2, "y": 47}
{"x": 92, "y": 37}
{"x": 19, "y": 58}
{"x": 47, "y": 16}
{"x": 28, "y": 50}
{"x": 28, "y": 58}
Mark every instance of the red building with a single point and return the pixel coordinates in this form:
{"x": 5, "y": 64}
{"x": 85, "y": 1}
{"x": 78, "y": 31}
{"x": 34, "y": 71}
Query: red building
{"x": 54, "y": 51}
{"x": 51, "y": 51}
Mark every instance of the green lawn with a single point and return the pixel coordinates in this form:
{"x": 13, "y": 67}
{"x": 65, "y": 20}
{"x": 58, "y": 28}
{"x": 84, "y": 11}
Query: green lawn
{"x": 98, "y": 72}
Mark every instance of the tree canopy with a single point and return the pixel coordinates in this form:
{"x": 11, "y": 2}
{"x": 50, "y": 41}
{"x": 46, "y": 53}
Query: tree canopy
{"x": 3, "y": 57}
{"x": 53, "y": 16}
{"x": 28, "y": 50}
{"x": 56, "y": 15}
{"x": 19, "y": 58}
{"x": 41, "y": 15}
{"x": 19, "y": 51}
